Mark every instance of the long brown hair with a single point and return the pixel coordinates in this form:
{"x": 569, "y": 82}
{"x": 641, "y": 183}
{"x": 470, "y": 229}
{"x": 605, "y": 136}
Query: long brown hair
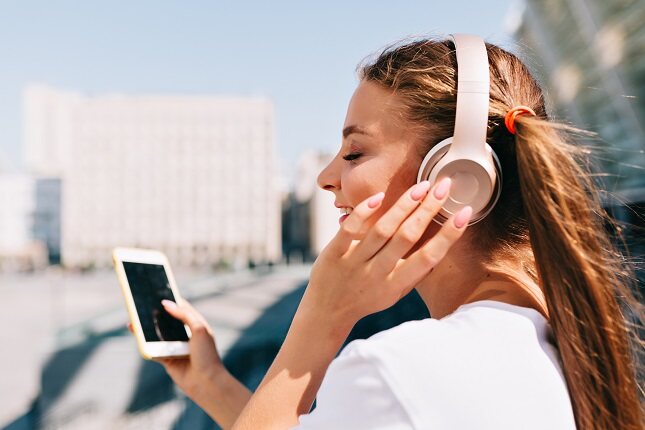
{"x": 549, "y": 213}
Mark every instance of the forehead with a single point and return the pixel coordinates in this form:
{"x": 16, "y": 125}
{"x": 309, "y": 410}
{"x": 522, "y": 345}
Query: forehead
{"x": 375, "y": 108}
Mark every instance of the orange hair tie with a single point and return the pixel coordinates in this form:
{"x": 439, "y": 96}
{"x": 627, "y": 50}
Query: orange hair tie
{"x": 509, "y": 119}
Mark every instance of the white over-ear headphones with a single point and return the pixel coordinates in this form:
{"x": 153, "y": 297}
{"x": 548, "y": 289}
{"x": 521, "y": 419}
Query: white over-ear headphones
{"x": 466, "y": 157}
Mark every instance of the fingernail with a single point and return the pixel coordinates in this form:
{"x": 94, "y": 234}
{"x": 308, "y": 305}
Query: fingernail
{"x": 442, "y": 188}
{"x": 375, "y": 200}
{"x": 463, "y": 216}
{"x": 168, "y": 304}
{"x": 420, "y": 190}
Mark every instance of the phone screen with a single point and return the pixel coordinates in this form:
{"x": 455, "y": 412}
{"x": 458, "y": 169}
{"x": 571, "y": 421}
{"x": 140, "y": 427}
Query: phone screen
{"x": 149, "y": 285}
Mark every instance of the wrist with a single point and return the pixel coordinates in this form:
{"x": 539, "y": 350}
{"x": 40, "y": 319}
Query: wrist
{"x": 221, "y": 396}
{"x": 220, "y": 378}
{"x": 206, "y": 386}
{"x": 330, "y": 327}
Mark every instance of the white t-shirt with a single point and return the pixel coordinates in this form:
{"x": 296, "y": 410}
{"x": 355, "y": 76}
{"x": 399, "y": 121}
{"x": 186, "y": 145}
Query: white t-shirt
{"x": 488, "y": 365}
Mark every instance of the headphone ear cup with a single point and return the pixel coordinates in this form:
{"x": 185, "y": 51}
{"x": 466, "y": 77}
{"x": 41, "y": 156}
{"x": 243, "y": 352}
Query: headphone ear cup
{"x": 431, "y": 159}
{"x": 431, "y": 172}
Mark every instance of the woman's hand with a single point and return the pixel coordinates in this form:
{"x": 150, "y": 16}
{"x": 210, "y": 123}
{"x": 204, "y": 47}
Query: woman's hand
{"x": 204, "y": 362}
{"x": 202, "y": 376}
{"x": 362, "y": 269}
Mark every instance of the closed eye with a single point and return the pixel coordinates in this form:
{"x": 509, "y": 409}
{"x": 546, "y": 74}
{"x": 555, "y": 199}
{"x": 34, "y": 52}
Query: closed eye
{"x": 352, "y": 156}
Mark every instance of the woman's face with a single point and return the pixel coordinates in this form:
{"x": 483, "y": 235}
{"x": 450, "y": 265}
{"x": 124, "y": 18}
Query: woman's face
{"x": 379, "y": 151}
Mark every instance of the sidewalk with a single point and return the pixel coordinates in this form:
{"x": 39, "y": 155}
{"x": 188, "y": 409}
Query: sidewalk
{"x": 93, "y": 375}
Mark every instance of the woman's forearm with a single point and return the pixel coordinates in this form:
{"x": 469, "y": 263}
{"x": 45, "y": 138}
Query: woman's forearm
{"x": 222, "y": 397}
{"x": 290, "y": 386}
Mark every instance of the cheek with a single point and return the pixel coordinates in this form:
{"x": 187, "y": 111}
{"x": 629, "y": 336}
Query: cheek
{"x": 362, "y": 181}
{"x": 366, "y": 179}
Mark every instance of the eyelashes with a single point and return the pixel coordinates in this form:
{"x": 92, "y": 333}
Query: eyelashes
{"x": 352, "y": 156}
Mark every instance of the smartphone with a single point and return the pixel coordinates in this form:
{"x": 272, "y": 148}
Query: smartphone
{"x": 146, "y": 279}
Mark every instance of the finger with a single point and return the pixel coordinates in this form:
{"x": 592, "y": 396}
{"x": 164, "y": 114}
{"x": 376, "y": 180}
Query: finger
{"x": 411, "y": 270}
{"x": 172, "y": 365}
{"x": 171, "y": 362}
{"x": 413, "y": 227}
{"x": 351, "y": 227}
{"x": 166, "y": 362}
{"x": 387, "y": 225}
{"x": 183, "y": 303}
{"x": 186, "y": 314}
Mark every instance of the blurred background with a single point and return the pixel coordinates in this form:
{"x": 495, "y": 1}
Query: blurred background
{"x": 198, "y": 128}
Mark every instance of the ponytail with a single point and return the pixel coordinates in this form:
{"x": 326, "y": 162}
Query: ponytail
{"x": 583, "y": 277}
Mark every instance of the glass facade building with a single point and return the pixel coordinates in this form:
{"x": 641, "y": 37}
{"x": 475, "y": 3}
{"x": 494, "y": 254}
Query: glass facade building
{"x": 590, "y": 58}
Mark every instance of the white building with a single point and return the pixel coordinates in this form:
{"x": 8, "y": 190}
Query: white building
{"x": 193, "y": 176}
{"x": 47, "y": 128}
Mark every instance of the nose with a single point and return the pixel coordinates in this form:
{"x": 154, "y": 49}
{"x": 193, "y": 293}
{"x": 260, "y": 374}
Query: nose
{"x": 329, "y": 177}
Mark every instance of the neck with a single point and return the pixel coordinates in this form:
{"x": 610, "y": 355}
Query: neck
{"x": 455, "y": 282}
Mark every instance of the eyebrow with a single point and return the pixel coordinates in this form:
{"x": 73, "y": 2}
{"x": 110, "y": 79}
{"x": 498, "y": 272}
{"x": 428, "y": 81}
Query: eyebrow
{"x": 354, "y": 129}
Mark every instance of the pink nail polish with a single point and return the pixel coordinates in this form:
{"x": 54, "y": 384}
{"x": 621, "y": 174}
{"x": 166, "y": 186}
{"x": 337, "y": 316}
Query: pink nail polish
{"x": 442, "y": 188}
{"x": 168, "y": 304}
{"x": 463, "y": 216}
{"x": 420, "y": 190}
{"x": 375, "y": 200}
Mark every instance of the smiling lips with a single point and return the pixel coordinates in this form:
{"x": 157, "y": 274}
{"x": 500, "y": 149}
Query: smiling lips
{"x": 344, "y": 214}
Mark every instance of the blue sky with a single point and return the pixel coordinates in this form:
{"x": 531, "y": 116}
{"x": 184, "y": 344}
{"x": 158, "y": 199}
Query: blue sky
{"x": 302, "y": 55}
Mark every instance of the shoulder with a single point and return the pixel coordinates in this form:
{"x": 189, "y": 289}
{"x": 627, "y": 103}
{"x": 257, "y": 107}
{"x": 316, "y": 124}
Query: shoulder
{"x": 418, "y": 338}
{"x": 407, "y": 335}
{"x": 436, "y": 349}
{"x": 411, "y": 375}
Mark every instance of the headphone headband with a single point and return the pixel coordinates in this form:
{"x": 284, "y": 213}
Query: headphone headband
{"x": 473, "y": 87}
{"x": 465, "y": 156}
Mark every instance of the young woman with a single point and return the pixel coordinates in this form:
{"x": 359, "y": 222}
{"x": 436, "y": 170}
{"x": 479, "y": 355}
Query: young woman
{"x": 527, "y": 327}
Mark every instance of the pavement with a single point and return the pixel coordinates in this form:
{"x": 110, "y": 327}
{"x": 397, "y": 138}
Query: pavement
{"x": 71, "y": 363}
